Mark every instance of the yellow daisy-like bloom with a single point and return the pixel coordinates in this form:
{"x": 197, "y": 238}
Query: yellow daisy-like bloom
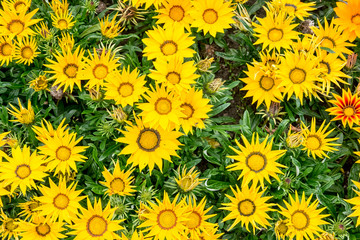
{"x": 66, "y": 42}
{"x": 166, "y": 44}
{"x": 356, "y": 202}
{"x": 281, "y": 229}
{"x": 166, "y": 220}
{"x": 349, "y": 17}
{"x": 119, "y": 182}
{"x": 7, "y": 50}
{"x": 148, "y": 146}
{"x": 163, "y": 109}
{"x": 30, "y": 209}
{"x": 41, "y": 229}
{"x": 347, "y": 108}
{"x": 315, "y": 142}
{"x": 331, "y": 36}
{"x": 22, "y": 169}
{"x": 197, "y": 219}
{"x": 59, "y": 6}
{"x": 22, "y": 115}
{"x": 248, "y": 207}
{"x": 174, "y": 73}
{"x": 256, "y": 160}
{"x": 275, "y": 31}
{"x": 62, "y": 152}
{"x": 17, "y": 5}
{"x": 43, "y": 31}
{"x": 59, "y": 203}
{"x": 195, "y": 108}
{"x": 10, "y": 227}
{"x": 148, "y": 3}
{"x": 210, "y": 234}
{"x": 13, "y": 24}
{"x": 46, "y": 131}
{"x": 110, "y": 29}
{"x": 188, "y": 180}
{"x": 270, "y": 61}
{"x": 304, "y": 219}
{"x": 294, "y": 8}
{"x": 134, "y": 236}
{"x": 99, "y": 69}
{"x": 262, "y": 86}
{"x": 67, "y": 68}
{"x": 94, "y": 223}
{"x": 212, "y": 16}
{"x": 299, "y": 73}
{"x": 175, "y": 13}
{"x": 25, "y": 50}
{"x": 39, "y": 84}
{"x": 62, "y": 20}
{"x": 125, "y": 87}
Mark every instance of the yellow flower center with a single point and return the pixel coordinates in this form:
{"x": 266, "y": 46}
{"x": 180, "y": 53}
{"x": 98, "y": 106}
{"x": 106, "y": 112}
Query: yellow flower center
{"x": 148, "y": 140}
{"x": 16, "y": 26}
{"x": 313, "y": 142}
{"x": 187, "y": 183}
{"x": 10, "y": 225}
{"x": 19, "y": 6}
{"x": 246, "y": 207}
{"x": 266, "y": 83}
{"x": 23, "y": 171}
{"x": 166, "y": 219}
{"x": 297, "y": 75}
{"x": 33, "y": 206}
{"x": 282, "y": 228}
{"x": 326, "y": 66}
{"x": 176, "y": 13}
{"x": 43, "y": 229}
{"x": 275, "y": 34}
{"x": 61, "y": 201}
{"x": 126, "y": 89}
{"x": 96, "y": 226}
{"x": 256, "y": 161}
{"x": 63, "y": 153}
{"x": 356, "y": 19}
{"x": 117, "y": 185}
{"x": 27, "y": 52}
{"x": 349, "y": 111}
{"x": 188, "y": 110}
{"x": 210, "y": 16}
{"x": 70, "y": 70}
{"x": 194, "y": 220}
{"x": 62, "y": 23}
{"x": 328, "y": 42}
{"x": 173, "y": 77}
{"x": 163, "y": 106}
{"x": 6, "y": 49}
{"x": 168, "y": 47}
{"x": 300, "y": 220}
{"x": 100, "y": 71}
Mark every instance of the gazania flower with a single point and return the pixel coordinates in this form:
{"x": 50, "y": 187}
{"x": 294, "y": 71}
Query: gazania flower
{"x": 195, "y": 108}
{"x": 66, "y": 42}
{"x": 99, "y": 69}
{"x": 294, "y": 8}
{"x": 256, "y": 160}
{"x": 211, "y": 234}
{"x": 299, "y": 74}
{"x": 12, "y": 24}
{"x": 163, "y": 109}
{"x": 18, "y": 6}
{"x": 59, "y": 203}
{"x": 118, "y": 182}
{"x": 347, "y": 108}
{"x": 148, "y": 146}
{"x": 212, "y": 16}
{"x": 110, "y": 29}
{"x": 270, "y": 61}
{"x": 22, "y": 115}
{"x": 39, "y": 84}
{"x": 7, "y": 50}
{"x": 10, "y": 227}
{"x": 304, "y": 219}
{"x": 43, "y": 31}
{"x": 187, "y": 180}
{"x": 315, "y": 142}
{"x": 275, "y": 31}
{"x": 281, "y": 229}
{"x": 62, "y": 152}
{"x": 96, "y": 223}
{"x": 248, "y": 206}
{"x": 41, "y": 229}
{"x": 46, "y": 131}
{"x": 166, "y": 220}
{"x": 62, "y": 20}
{"x": 125, "y": 87}
{"x": 30, "y": 209}
{"x": 148, "y": 3}
{"x": 59, "y": 6}
{"x": 356, "y": 202}
{"x": 331, "y": 36}
{"x": 174, "y": 73}
{"x": 349, "y": 17}
{"x": 67, "y": 68}
{"x": 25, "y": 51}
{"x": 166, "y": 44}
{"x": 135, "y": 236}
{"x": 22, "y": 169}
{"x": 175, "y": 13}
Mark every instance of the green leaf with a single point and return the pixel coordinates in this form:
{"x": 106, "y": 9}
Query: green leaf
{"x": 89, "y": 30}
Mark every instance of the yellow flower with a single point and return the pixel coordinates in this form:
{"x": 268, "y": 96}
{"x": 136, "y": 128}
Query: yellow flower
{"x": 43, "y": 31}
{"x": 25, "y": 51}
{"x": 66, "y": 42}
{"x": 44, "y": 133}
{"x": 188, "y": 180}
{"x": 40, "y": 83}
{"x": 110, "y": 29}
{"x": 7, "y": 50}
{"x": 349, "y": 17}
{"x": 212, "y": 16}
{"x": 59, "y": 6}
{"x": 23, "y": 115}
{"x": 30, "y": 209}
{"x": 281, "y": 229}
{"x": 148, "y": 3}
{"x": 175, "y": 13}
{"x": 294, "y": 8}
{"x": 10, "y": 227}
{"x": 356, "y": 202}
{"x": 118, "y": 114}
{"x": 62, "y": 20}
{"x": 41, "y": 229}
{"x": 18, "y": 6}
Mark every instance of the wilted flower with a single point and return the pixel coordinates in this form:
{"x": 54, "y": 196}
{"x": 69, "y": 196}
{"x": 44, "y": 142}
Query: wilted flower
{"x": 40, "y": 83}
